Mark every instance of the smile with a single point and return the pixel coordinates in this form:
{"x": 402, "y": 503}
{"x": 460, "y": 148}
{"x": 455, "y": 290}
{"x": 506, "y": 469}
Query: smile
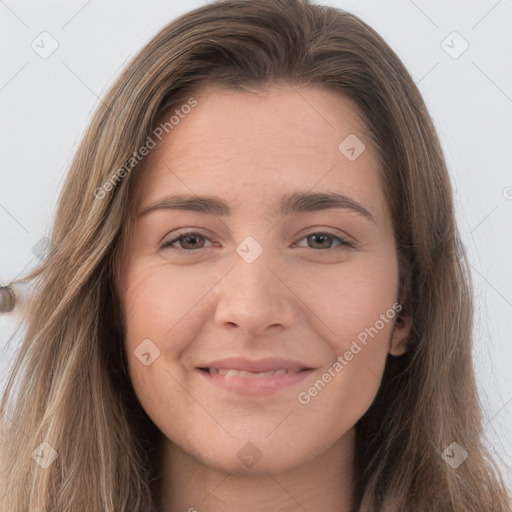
{"x": 233, "y": 372}
{"x": 254, "y": 384}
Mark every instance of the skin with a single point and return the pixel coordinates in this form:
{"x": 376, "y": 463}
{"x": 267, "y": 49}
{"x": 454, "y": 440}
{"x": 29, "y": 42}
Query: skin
{"x": 302, "y": 298}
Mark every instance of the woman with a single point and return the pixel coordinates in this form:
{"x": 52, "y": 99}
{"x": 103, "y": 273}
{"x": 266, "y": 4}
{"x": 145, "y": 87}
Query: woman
{"x": 254, "y": 368}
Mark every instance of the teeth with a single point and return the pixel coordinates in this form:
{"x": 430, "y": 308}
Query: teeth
{"x": 230, "y": 372}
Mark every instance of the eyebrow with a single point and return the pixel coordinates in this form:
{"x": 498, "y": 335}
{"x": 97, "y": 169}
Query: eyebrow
{"x": 298, "y": 202}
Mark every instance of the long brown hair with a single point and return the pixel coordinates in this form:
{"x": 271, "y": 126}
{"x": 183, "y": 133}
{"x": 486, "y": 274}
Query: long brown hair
{"x": 69, "y": 385}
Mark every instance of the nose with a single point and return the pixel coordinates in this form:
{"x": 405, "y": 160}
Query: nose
{"x": 255, "y": 296}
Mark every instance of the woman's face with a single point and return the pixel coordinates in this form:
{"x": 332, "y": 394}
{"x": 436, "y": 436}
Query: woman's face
{"x": 253, "y": 269}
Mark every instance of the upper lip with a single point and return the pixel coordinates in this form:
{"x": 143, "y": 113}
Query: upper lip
{"x": 261, "y": 365}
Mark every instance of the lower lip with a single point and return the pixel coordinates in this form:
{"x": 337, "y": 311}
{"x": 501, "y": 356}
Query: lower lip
{"x": 256, "y": 386}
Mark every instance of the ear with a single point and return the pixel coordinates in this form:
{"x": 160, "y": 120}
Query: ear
{"x": 401, "y": 329}
{"x": 398, "y": 344}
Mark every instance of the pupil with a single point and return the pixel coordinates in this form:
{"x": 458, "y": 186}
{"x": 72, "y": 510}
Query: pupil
{"x": 188, "y": 238}
{"x": 320, "y": 237}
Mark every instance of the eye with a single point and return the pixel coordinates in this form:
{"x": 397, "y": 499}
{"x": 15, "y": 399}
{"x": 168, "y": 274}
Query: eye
{"x": 320, "y": 238}
{"x": 188, "y": 238}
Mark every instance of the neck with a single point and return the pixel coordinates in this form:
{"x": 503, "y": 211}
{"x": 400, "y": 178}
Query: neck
{"x": 324, "y": 483}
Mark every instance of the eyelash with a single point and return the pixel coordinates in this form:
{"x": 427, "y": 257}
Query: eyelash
{"x": 343, "y": 241}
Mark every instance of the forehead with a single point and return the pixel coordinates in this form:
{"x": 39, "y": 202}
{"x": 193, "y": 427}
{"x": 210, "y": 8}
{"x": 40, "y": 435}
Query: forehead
{"x": 251, "y": 146}
{"x": 279, "y": 118}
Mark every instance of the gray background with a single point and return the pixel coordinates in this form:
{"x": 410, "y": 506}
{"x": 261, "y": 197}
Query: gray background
{"x": 46, "y": 103}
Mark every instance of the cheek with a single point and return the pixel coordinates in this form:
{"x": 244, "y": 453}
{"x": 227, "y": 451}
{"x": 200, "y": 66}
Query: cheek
{"x": 158, "y": 303}
{"x": 359, "y": 312}
{"x": 351, "y": 298}
{"x": 151, "y": 310}
{"x": 366, "y": 311}
{"x": 164, "y": 311}
{"x": 355, "y": 310}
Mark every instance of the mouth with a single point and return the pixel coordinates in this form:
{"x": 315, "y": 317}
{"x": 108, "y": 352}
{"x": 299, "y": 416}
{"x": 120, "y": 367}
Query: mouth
{"x": 233, "y": 372}
{"x": 255, "y": 378}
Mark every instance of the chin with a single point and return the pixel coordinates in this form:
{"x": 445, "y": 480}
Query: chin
{"x": 274, "y": 465}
